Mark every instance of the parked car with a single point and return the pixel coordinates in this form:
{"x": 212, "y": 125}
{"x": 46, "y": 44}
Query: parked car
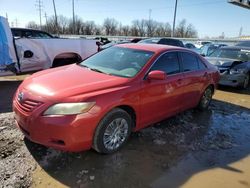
{"x": 124, "y": 88}
{"x": 245, "y": 43}
{"x": 108, "y": 45}
{"x": 112, "y": 43}
{"x": 30, "y": 33}
{"x": 208, "y": 49}
{"x": 190, "y": 46}
{"x": 39, "y": 51}
{"x": 165, "y": 41}
{"x": 199, "y": 43}
{"x": 233, "y": 63}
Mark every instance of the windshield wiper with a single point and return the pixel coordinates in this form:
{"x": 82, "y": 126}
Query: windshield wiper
{"x": 97, "y": 70}
{"x": 93, "y": 69}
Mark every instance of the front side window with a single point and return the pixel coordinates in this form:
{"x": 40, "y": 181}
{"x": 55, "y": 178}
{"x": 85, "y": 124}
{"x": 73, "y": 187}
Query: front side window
{"x": 168, "y": 63}
{"x": 189, "y": 61}
{"x": 118, "y": 61}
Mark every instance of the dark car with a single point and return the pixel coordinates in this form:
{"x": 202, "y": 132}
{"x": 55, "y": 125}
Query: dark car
{"x": 190, "y": 46}
{"x": 29, "y": 33}
{"x": 165, "y": 41}
{"x": 233, "y": 63}
{"x": 244, "y": 43}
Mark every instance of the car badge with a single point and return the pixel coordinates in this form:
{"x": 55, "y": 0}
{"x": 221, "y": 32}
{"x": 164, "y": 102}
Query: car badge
{"x": 20, "y": 96}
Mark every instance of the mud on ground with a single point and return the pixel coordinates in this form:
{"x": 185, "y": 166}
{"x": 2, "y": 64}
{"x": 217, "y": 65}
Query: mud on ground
{"x": 166, "y": 154}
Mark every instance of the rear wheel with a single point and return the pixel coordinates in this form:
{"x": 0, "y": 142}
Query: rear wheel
{"x": 206, "y": 99}
{"x": 113, "y": 131}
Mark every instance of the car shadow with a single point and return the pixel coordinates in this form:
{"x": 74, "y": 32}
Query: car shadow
{"x": 235, "y": 90}
{"x": 167, "y": 154}
{"x": 7, "y": 91}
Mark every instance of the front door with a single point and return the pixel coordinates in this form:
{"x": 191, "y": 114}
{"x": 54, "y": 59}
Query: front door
{"x": 162, "y": 98}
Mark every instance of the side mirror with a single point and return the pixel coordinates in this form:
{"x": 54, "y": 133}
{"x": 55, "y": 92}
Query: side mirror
{"x": 157, "y": 75}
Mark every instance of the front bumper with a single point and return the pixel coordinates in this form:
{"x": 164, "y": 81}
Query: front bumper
{"x": 233, "y": 80}
{"x": 69, "y": 133}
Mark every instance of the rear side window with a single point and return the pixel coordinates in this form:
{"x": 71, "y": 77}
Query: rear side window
{"x": 189, "y": 61}
{"x": 201, "y": 64}
{"x": 168, "y": 63}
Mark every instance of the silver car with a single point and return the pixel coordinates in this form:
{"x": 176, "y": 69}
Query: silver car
{"x": 233, "y": 63}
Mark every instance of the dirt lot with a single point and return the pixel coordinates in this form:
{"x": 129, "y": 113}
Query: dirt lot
{"x": 192, "y": 149}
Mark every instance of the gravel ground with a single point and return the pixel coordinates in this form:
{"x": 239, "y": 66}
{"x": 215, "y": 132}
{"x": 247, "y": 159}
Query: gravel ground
{"x": 223, "y": 130}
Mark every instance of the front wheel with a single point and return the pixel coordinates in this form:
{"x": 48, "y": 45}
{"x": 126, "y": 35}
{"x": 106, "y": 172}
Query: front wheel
{"x": 205, "y": 99}
{"x": 113, "y": 131}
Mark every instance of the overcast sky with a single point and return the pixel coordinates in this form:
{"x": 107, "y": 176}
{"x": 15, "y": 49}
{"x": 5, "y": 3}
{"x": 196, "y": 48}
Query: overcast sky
{"x": 210, "y": 17}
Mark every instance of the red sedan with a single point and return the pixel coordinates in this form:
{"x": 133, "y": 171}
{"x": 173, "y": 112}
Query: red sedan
{"x": 97, "y": 103}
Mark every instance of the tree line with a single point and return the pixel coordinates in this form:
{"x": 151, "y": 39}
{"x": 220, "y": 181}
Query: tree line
{"x": 110, "y": 26}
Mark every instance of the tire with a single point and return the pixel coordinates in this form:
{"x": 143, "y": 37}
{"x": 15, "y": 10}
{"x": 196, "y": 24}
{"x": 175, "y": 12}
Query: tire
{"x": 112, "y": 132}
{"x": 246, "y": 82}
{"x": 205, "y": 99}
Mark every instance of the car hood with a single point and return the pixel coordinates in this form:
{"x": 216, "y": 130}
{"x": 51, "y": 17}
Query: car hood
{"x": 69, "y": 81}
{"x": 225, "y": 62}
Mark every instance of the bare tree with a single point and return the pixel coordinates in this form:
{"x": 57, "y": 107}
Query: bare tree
{"x": 184, "y": 31}
{"x": 140, "y": 26}
{"x": 33, "y": 25}
{"x": 110, "y": 26}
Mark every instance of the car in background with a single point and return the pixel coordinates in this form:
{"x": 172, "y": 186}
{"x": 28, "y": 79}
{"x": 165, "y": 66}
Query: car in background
{"x": 199, "y": 44}
{"x": 99, "y": 102}
{"x": 165, "y": 41}
{"x": 233, "y": 63}
{"x": 112, "y": 43}
{"x": 208, "y": 49}
{"x": 244, "y": 43}
{"x": 30, "y": 33}
{"x": 189, "y": 46}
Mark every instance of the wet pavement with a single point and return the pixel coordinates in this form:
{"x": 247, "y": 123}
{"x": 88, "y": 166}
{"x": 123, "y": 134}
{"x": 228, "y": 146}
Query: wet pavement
{"x": 192, "y": 149}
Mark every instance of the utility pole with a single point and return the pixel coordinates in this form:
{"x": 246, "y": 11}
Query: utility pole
{"x": 6, "y": 16}
{"x": 175, "y": 10}
{"x": 46, "y": 18}
{"x": 73, "y": 11}
{"x": 39, "y": 5}
{"x": 16, "y": 22}
{"x": 56, "y": 23}
{"x": 240, "y": 33}
{"x": 149, "y": 23}
{"x": 149, "y": 14}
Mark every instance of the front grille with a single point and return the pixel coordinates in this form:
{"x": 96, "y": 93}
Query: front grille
{"x": 28, "y": 105}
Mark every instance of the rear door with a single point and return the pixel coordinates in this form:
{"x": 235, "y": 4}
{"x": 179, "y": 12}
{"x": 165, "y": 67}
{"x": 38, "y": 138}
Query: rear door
{"x": 195, "y": 78}
{"x": 163, "y": 98}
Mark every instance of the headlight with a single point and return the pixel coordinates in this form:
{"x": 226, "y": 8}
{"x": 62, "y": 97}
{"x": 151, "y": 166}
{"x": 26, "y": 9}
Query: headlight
{"x": 69, "y": 108}
{"x": 237, "y": 71}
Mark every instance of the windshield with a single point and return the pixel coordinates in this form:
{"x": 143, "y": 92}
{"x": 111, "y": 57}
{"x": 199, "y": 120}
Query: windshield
{"x": 239, "y": 54}
{"x": 118, "y": 61}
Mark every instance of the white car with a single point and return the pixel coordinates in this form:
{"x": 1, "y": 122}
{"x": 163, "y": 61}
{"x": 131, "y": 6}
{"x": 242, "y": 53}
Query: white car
{"x": 19, "y": 55}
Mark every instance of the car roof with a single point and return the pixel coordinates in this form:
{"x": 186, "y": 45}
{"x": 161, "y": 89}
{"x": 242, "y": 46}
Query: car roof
{"x": 27, "y": 29}
{"x": 150, "y": 47}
